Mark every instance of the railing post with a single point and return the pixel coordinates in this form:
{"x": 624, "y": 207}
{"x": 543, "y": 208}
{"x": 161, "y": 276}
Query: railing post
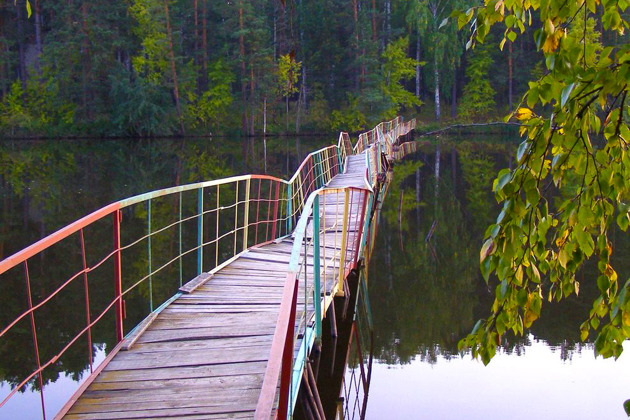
{"x": 275, "y": 211}
{"x": 34, "y": 336}
{"x": 181, "y": 262}
{"x": 366, "y": 224}
{"x": 216, "y": 242}
{"x": 86, "y": 294}
{"x": 340, "y": 166}
{"x": 363, "y": 220}
{"x": 246, "y": 216}
{"x": 289, "y": 208}
{"x": 287, "y": 359}
{"x": 200, "y": 231}
{"x": 149, "y": 256}
{"x": 317, "y": 292}
{"x": 118, "y": 278}
{"x": 344, "y": 240}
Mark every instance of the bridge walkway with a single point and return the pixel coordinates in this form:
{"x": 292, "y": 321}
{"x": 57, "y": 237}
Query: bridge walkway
{"x": 204, "y": 355}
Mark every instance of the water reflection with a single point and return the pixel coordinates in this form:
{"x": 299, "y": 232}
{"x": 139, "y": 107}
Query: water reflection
{"x": 45, "y": 185}
{"x": 428, "y": 293}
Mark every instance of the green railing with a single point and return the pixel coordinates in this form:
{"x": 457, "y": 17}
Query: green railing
{"x": 332, "y": 219}
{"x": 129, "y": 259}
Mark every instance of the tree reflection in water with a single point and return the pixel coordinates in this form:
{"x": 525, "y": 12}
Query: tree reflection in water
{"x": 428, "y": 292}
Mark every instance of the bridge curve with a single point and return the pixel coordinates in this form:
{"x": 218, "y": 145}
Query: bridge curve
{"x": 232, "y": 342}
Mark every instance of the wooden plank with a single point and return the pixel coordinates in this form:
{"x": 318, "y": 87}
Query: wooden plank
{"x": 205, "y": 371}
{"x": 173, "y": 413}
{"x": 204, "y": 356}
{"x": 160, "y": 398}
{"x": 195, "y": 283}
{"x": 159, "y": 360}
{"x": 227, "y": 382}
{"x": 157, "y": 336}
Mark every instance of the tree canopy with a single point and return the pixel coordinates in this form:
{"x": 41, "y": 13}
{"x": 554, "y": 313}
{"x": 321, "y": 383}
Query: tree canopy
{"x": 570, "y": 187}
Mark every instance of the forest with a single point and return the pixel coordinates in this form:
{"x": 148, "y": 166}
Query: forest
{"x": 139, "y": 68}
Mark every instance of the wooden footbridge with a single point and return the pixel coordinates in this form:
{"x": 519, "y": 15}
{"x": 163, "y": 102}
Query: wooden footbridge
{"x": 270, "y": 256}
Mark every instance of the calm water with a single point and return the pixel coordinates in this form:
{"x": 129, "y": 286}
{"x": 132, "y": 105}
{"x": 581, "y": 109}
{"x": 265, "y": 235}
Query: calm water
{"x": 425, "y": 288}
{"x": 427, "y": 292}
{"x": 45, "y": 185}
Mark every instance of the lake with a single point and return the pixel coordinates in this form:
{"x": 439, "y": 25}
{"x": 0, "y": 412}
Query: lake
{"x": 424, "y": 284}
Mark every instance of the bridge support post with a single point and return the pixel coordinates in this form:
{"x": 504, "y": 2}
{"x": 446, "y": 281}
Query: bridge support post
{"x": 200, "y": 231}
{"x": 317, "y": 292}
{"x": 118, "y": 278}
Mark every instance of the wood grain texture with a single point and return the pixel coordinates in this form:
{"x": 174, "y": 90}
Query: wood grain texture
{"x": 204, "y": 356}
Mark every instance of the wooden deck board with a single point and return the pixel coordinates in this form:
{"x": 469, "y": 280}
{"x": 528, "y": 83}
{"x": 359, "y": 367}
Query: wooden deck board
{"x": 204, "y": 356}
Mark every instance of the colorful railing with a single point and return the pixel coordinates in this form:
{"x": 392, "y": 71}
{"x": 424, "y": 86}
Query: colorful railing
{"x": 155, "y": 237}
{"x": 175, "y": 233}
{"x": 141, "y": 249}
{"x": 352, "y": 226}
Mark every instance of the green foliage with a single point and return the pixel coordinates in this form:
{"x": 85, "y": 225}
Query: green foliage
{"x": 396, "y": 68}
{"x": 142, "y": 107}
{"x": 152, "y": 60}
{"x": 37, "y": 109}
{"x": 288, "y": 75}
{"x": 211, "y": 107}
{"x": 349, "y": 118}
{"x": 478, "y": 99}
{"x": 575, "y": 129}
{"x": 402, "y": 199}
{"x": 478, "y": 171}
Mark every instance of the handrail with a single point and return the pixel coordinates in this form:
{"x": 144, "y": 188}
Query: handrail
{"x": 230, "y": 215}
{"x": 281, "y": 359}
{"x": 262, "y": 209}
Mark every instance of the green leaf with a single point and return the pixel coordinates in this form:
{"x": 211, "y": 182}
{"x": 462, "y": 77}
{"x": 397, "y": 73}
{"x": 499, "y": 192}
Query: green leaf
{"x": 566, "y": 93}
{"x": 523, "y": 148}
{"x": 476, "y": 327}
{"x": 623, "y": 221}
{"x": 443, "y": 23}
{"x": 603, "y": 283}
{"x": 486, "y": 249}
{"x": 504, "y": 177}
{"x": 586, "y": 243}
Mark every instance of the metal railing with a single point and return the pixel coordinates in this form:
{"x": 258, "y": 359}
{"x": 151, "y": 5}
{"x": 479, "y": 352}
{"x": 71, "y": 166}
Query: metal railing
{"x": 343, "y": 217}
{"x": 141, "y": 249}
{"x": 156, "y": 239}
{"x": 174, "y": 233}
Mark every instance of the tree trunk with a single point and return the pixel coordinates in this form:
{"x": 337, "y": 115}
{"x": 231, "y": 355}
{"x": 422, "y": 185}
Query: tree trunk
{"x": 85, "y": 54}
{"x": 418, "y": 197}
{"x": 510, "y": 76}
{"x": 287, "y": 101}
{"x": 357, "y": 74}
{"x": 38, "y": 34}
{"x": 374, "y": 20}
{"x": 252, "y": 85}
{"x": 171, "y": 54}
{"x": 454, "y": 95}
{"x": 297, "y": 112}
{"x": 21, "y": 49}
{"x": 418, "y": 66}
{"x": 196, "y": 35}
{"x": 388, "y": 22}
{"x": 204, "y": 46}
{"x": 304, "y": 89}
{"x": 436, "y": 72}
{"x": 4, "y": 66}
{"x": 265, "y": 117}
{"x": 241, "y": 43}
